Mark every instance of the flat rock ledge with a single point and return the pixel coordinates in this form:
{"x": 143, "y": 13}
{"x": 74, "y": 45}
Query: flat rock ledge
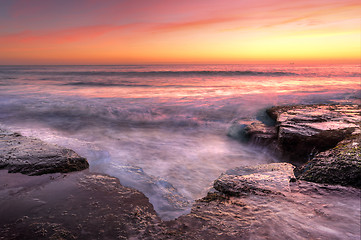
{"x": 34, "y": 157}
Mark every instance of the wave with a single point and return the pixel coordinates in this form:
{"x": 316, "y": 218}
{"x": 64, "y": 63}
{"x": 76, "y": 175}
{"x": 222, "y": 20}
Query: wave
{"x": 130, "y": 84}
{"x": 75, "y": 117}
{"x": 353, "y": 75}
{"x": 102, "y": 84}
{"x": 176, "y": 73}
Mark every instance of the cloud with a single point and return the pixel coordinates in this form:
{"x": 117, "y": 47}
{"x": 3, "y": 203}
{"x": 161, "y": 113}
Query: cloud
{"x": 115, "y": 28}
{"x": 174, "y": 26}
{"x": 61, "y": 36}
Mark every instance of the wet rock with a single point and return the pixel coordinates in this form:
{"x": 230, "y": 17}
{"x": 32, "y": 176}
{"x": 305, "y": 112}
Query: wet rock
{"x": 250, "y": 202}
{"x": 78, "y": 205}
{"x": 166, "y": 199}
{"x": 327, "y": 137}
{"x": 34, "y": 157}
{"x": 339, "y": 165}
{"x": 302, "y": 131}
{"x": 85, "y": 205}
{"x": 263, "y": 135}
{"x": 236, "y": 130}
{"x": 257, "y": 132}
{"x": 254, "y": 207}
{"x": 260, "y": 179}
{"x": 305, "y": 130}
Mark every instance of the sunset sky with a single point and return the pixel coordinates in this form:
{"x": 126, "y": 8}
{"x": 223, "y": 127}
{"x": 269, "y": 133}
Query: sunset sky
{"x": 174, "y": 31}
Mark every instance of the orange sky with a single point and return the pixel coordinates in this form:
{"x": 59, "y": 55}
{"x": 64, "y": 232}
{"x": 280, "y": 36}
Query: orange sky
{"x": 173, "y": 31}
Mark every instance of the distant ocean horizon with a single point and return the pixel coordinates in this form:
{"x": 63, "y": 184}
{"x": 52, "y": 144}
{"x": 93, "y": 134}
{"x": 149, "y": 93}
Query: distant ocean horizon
{"x": 162, "y": 128}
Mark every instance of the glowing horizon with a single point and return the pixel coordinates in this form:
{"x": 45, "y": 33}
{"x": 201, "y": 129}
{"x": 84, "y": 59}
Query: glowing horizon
{"x": 203, "y": 31}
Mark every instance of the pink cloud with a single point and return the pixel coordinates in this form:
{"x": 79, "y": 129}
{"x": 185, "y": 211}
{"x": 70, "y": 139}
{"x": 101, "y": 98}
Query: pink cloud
{"x": 174, "y": 26}
{"x": 61, "y": 36}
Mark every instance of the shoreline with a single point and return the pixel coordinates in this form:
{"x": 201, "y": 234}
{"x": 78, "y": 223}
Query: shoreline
{"x": 99, "y": 206}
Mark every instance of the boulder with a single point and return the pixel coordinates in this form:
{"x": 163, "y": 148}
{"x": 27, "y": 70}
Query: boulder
{"x": 34, "y": 157}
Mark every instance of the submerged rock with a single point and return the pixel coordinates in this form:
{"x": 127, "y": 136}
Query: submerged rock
{"x": 34, "y": 157}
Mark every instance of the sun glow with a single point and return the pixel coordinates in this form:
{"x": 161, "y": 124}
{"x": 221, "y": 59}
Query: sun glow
{"x": 187, "y": 32}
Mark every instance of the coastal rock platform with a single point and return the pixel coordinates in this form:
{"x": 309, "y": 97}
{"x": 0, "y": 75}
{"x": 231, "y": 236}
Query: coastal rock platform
{"x": 265, "y": 204}
{"x": 77, "y": 205}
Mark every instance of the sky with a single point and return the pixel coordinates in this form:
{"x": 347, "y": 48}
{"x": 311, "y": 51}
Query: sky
{"x": 174, "y": 31}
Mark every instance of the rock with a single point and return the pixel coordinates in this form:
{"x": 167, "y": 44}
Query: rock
{"x": 34, "y": 157}
{"x": 256, "y": 132}
{"x": 166, "y": 199}
{"x": 339, "y": 165}
{"x": 236, "y": 130}
{"x": 261, "y": 179}
{"x": 83, "y": 205}
{"x": 302, "y": 131}
{"x": 327, "y": 137}
{"x": 309, "y": 129}
{"x": 272, "y": 207}
{"x": 79, "y": 205}
{"x": 248, "y": 202}
{"x": 260, "y": 133}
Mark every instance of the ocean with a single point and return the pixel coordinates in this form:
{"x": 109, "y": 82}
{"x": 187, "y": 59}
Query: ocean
{"x": 162, "y": 129}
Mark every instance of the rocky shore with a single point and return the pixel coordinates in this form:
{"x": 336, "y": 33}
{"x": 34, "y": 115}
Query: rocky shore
{"x": 323, "y": 141}
{"x": 34, "y": 157}
{"x": 256, "y": 202}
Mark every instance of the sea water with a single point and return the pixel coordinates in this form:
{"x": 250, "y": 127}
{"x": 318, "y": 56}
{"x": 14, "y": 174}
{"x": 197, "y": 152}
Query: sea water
{"x": 162, "y": 129}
